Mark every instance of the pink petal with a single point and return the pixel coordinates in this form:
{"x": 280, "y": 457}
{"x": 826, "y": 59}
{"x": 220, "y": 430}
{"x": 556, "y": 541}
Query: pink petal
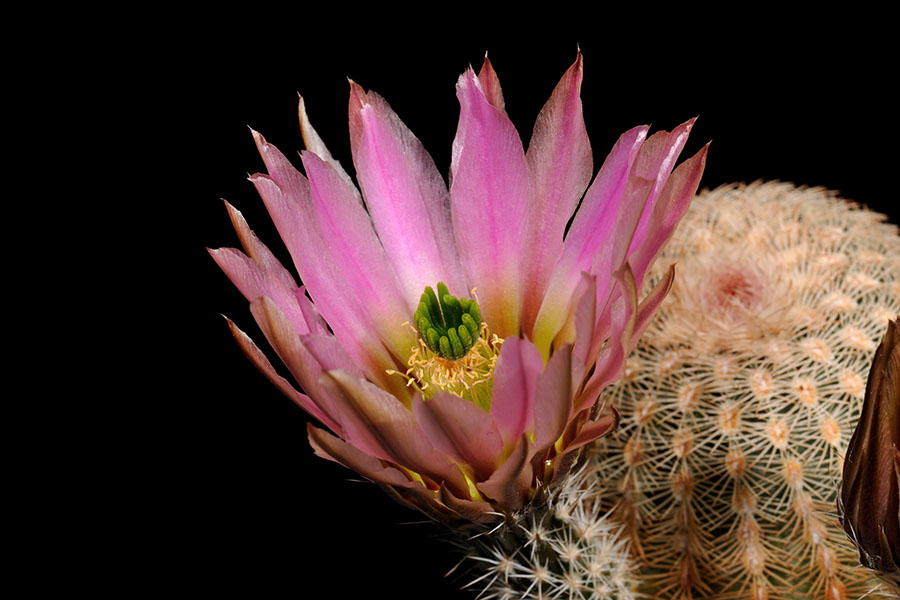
{"x": 608, "y": 257}
{"x": 256, "y": 250}
{"x": 262, "y": 363}
{"x": 254, "y": 281}
{"x": 461, "y": 430}
{"x": 287, "y": 197}
{"x": 331, "y": 355}
{"x": 671, "y": 206}
{"x": 611, "y": 361}
{"x": 515, "y": 382}
{"x": 649, "y": 305}
{"x": 593, "y": 224}
{"x": 553, "y": 400}
{"x": 594, "y": 429}
{"x": 332, "y": 448}
{"x": 314, "y": 144}
{"x": 560, "y": 163}
{"x": 490, "y": 83}
{"x": 509, "y": 484}
{"x": 489, "y": 194}
{"x": 379, "y": 416}
{"x": 406, "y": 197}
{"x": 269, "y": 278}
{"x": 655, "y": 161}
{"x": 359, "y": 256}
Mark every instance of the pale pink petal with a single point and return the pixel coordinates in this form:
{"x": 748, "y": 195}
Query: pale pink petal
{"x": 489, "y": 194}
{"x": 326, "y": 284}
{"x": 461, "y": 430}
{"x": 406, "y": 197}
{"x": 256, "y": 250}
{"x": 585, "y": 319}
{"x": 593, "y": 429}
{"x": 358, "y": 254}
{"x": 553, "y": 400}
{"x": 671, "y": 206}
{"x": 286, "y": 194}
{"x": 649, "y": 305}
{"x": 253, "y": 281}
{"x": 560, "y": 164}
{"x": 611, "y": 361}
{"x": 331, "y": 355}
{"x": 609, "y": 255}
{"x": 655, "y": 161}
{"x": 515, "y": 382}
{"x": 332, "y": 448}
{"x": 387, "y": 420}
{"x": 314, "y": 144}
{"x": 314, "y": 320}
{"x": 490, "y": 83}
{"x": 262, "y": 363}
{"x": 593, "y": 224}
{"x": 509, "y": 484}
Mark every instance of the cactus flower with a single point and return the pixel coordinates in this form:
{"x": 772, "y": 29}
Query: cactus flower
{"x": 869, "y": 502}
{"x": 453, "y": 341}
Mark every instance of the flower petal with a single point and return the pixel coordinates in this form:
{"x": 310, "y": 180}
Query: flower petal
{"x": 515, "y": 382}
{"x": 477, "y": 512}
{"x": 649, "y": 305}
{"x": 358, "y": 254}
{"x": 490, "y": 83}
{"x": 609, "y": 256}
{"x": 314, "y": 144}
{"x": 254, "y": 281}
{"x": 553, "y": 400}
{"x": 592, "y": 430}
{"x": 259, "y": 359}
{"x": 380, "y": 417}
{"x": 406, "y": 197}
{"x": 461, "y": 430}
{"x": 330, "y": 447}
{"x": 611, "y": 361}
{"x": 296, "y": 356}
{"x": 258, "y": 251}
{"x": 655, "y": 161}
{"x": 489, "y": 194}
{"x": 287, "y": 197}
{"x": 509, "y": 484}
{"x": 667, "y": 212}
{"x": 560, "y": 164}
{"x": 593, "y": 223}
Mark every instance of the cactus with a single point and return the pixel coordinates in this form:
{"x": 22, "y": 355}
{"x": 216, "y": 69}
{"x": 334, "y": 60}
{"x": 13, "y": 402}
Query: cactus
{"x": 566, "y": 549}
{"x": 739, "y": 403}
{"x": 736, "y": 410}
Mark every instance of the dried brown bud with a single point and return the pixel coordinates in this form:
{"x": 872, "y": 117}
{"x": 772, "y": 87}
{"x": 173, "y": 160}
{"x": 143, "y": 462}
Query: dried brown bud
{"x": 869, "y": 502}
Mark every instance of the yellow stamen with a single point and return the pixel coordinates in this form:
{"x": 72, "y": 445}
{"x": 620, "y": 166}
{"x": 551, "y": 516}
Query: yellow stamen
{"x": 470, "y": 377}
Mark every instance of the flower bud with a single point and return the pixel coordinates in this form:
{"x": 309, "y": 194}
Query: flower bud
{"x": 869, "y": 502}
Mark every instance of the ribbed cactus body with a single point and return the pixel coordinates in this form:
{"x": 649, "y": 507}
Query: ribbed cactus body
{"x": 569, "y": 548}
{"x": 739, "y": 403}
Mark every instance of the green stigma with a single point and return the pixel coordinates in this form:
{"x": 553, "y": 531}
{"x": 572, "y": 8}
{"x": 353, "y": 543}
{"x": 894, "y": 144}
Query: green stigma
{"x": 449, "y": 326}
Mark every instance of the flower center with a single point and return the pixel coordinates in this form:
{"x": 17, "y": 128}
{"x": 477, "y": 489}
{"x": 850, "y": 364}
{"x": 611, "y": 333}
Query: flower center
{"x": 448, "y": 325}
{"x": 456, "y": 352}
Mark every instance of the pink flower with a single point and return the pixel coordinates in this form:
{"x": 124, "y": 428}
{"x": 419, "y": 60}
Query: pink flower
{"x": 472, "y": 402}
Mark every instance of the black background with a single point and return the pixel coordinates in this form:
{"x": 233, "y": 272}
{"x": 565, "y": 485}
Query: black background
{"x": 253, "y": 512}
